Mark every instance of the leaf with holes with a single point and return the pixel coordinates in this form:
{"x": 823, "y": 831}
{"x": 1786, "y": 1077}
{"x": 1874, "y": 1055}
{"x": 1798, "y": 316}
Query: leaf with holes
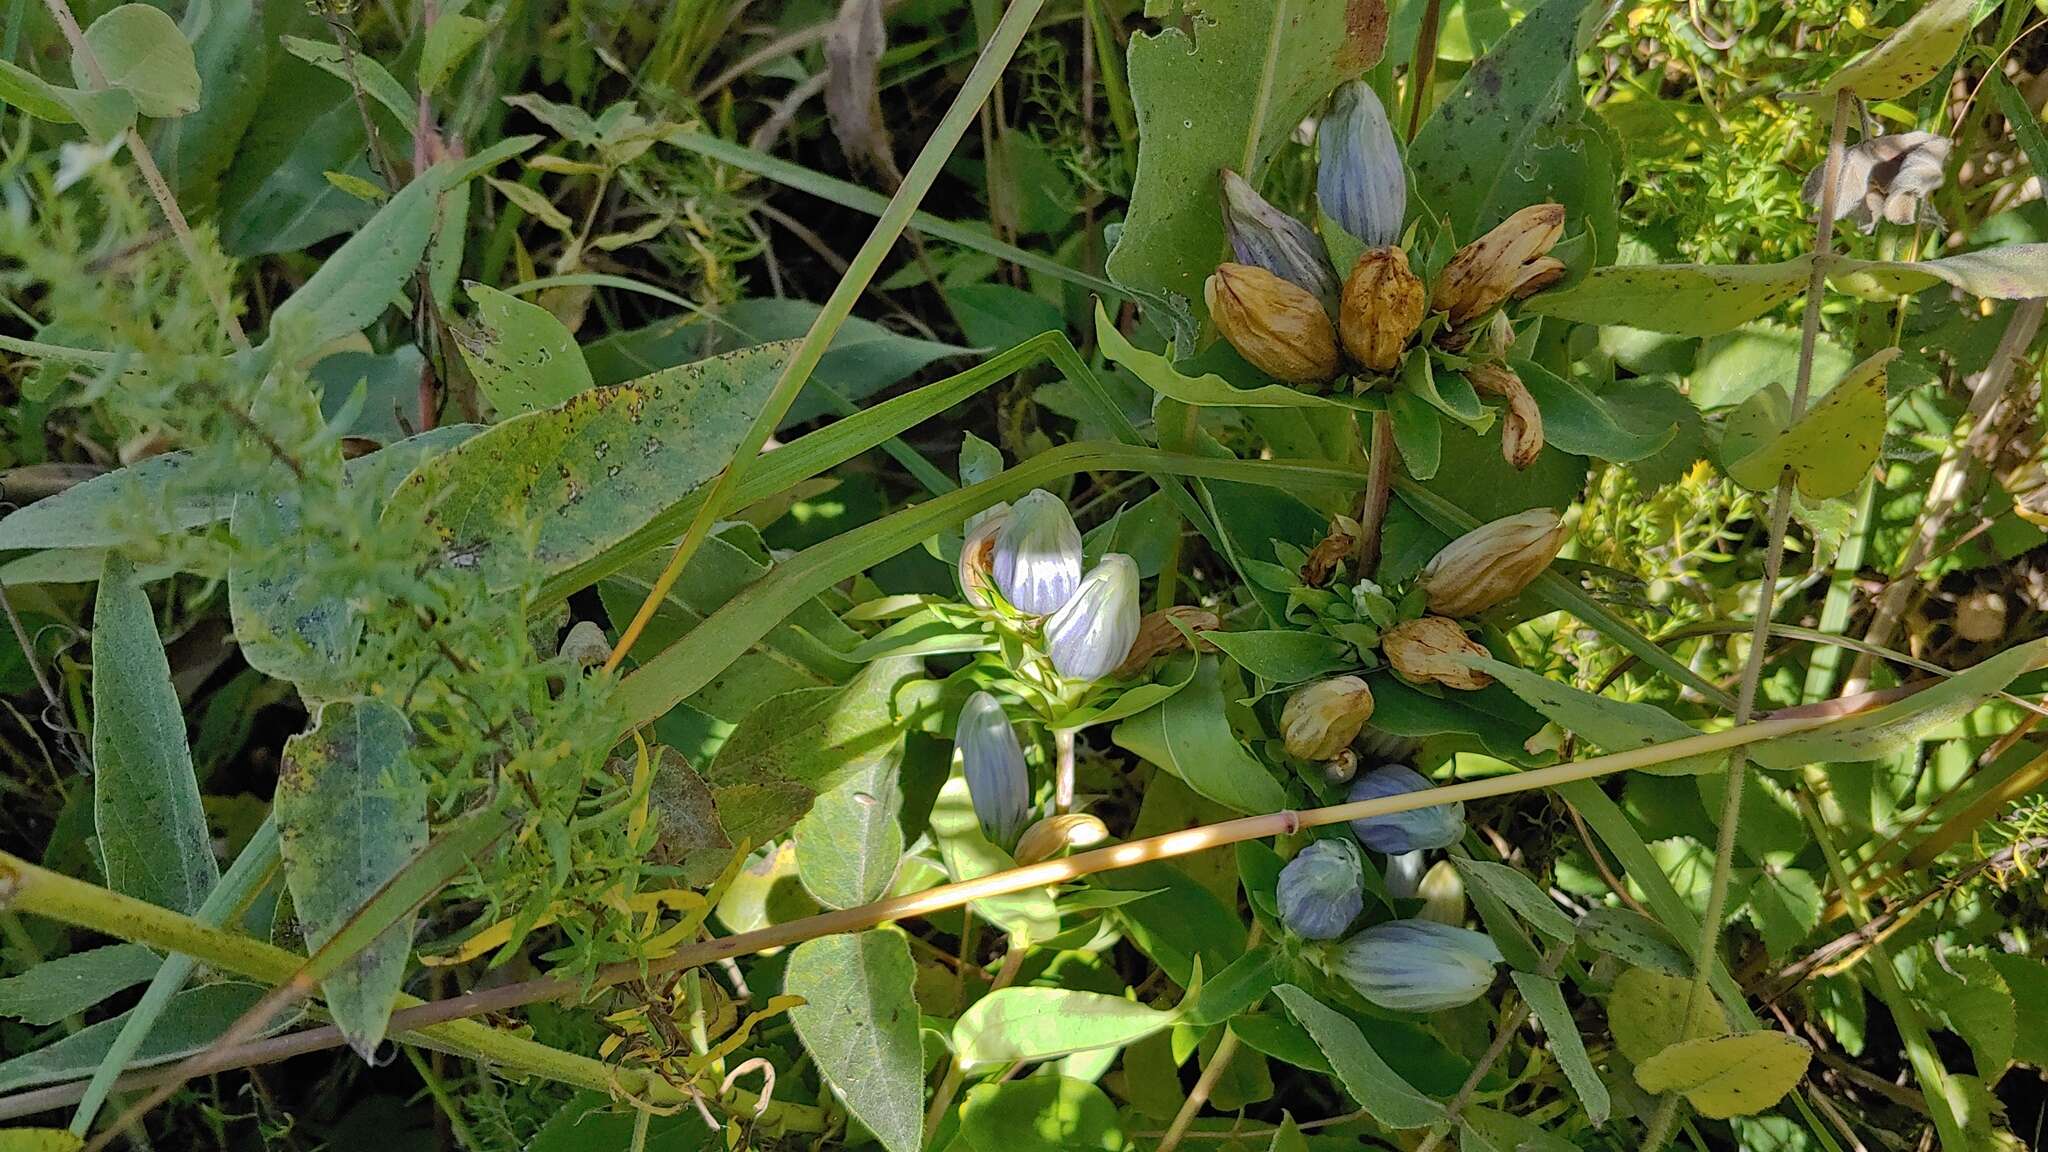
{"x": 1682, "y": 299}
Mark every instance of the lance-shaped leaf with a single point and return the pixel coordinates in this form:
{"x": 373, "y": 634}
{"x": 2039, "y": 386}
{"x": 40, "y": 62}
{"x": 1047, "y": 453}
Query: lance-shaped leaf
{"x": 1378, "y": 1089}
{"x": 352, "y": 811}
{"x": 573, "y": 481}
{"x": 1546, "y": 1000}
{"x": 152, "y": 830}
{"x": 1907, "y": 58}
{"x": 1044, "y": 1023}
{"x": 2008, "y": 272}
{"x": 1682, "y": 299}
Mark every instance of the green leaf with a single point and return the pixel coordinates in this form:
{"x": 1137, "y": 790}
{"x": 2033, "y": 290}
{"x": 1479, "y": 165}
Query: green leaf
{"x": 362, "y": 277}
{"x": 2027, "y": 979}
{"x": 584, "y": 476}
{"x": 2010, "y": 272}
{"x": 54, "y": 989}
{"x": 232, "y": 43}
{"x": 1831, "y": 448}
{"x": 1040, "y": 1114}
{"x": 1236, "y": 988}
{"x": 999, "y": 315}
{"x": 522, "y": 357}
{"x": 141, "y": 51}
{"x": 1784, "y": 902}
{"x": 1366, "y": 1077}
{"x": 194, "y": 1019}
{"x": 1521, "y": 894}
{"x": 1205, "y": 391}
{"x": 859, "y": 1022}
{"x": 2025, "y": 124}
{"x": 1724, "y": 1076}
{"x": 1285, "y": 656}
{"x": 1651, "y": 1011}
{"x": 104, "y": 113}
{"x": 1613, "y": 725}
{"x": 32, "y": 94}
{"x": 1907, "y": 58}
{"x": 1513, "y": 132}
{"x": 1972, "y": 1000}
{"x": 1634, "y": 939}
{"x": 152, "y": 831}
{"x": 1027, "y": 915}
{"x": 1226, "y": 96}
{"x": 796, "y": 745}
{"x": 1683, "y": 299}
{"x": 1190, "y": 736}
{"x": 357, "y": 70}
{"x": 1732, "y": 367}
{"x": 449, "y": 40}
{"x": 1883, "y": 732}
{"x": 1044, "y": 1023}
{"x": 593, "y": 1122}
{"x": 1546, "y": 1000}
{"x": 1579, "y": 422}
{"x": 850, "y": 842}
{"x": 352, "y": 813}
{"x": 1418, "y": 433}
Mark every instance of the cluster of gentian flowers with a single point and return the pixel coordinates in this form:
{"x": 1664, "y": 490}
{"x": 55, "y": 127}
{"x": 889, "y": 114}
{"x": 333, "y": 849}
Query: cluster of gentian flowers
{"x": 1410, "y": 965}
{"x": 1021, "y": 569}
{"x": 1284, "y": 307}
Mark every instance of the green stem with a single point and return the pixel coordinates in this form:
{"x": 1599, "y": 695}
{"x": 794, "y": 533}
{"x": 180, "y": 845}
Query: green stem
{"x": 1927, "y": 1065}
{"x": 838, "y": 306}
{"x": 457, "y": 1126}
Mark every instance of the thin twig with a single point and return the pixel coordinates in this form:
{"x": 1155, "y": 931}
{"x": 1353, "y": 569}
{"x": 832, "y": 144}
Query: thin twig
{"x": 153, "y": 176}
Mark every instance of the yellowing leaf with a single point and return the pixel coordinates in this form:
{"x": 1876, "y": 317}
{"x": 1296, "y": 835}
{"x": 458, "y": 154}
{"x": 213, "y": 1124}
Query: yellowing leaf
{"x": 1647, "y": 1013}
{"x": 1908, "y": 58}
{"x": 1737, "y": 1075}
{"x": 39, "y": 1140}
{"x": 1832, "y": 446}
{"x": 532, "y": 202}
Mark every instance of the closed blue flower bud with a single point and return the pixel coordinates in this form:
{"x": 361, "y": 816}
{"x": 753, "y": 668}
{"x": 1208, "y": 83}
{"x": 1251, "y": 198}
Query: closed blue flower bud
{"x": 1265, "y": 237}
{"x": 1359, "y": 178}
{"x": 1092, "y": 633}
{"x": 1322, "y": 890}
{"x": 1418, "y": 965}
{"x": 1038, "y": 554}
{"x": 1411, "y": 831}
{"x": 993, "y": 761}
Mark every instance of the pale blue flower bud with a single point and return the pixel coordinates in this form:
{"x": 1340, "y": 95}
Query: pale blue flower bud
{"x": 1418, "y": 965}
{"x": 1265, "y": 237}
{"x": 1322, "y": 890}
{"x": 998, "y": 783}
{"x": 1359, "y": 178}
{"x": 1411, "y": 831}
{"x": 1094, "y": 630}
{"x": 1038, "y": 554}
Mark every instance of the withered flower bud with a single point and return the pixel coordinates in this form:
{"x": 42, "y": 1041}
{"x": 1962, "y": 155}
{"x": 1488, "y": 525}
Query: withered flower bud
{"x": 1383, "y": 306}
{"x": 1431, "y": 651}
{"x": 1157, "y": 636}
{"x": 1330, "y": 551}
{"x": 1508, "y": 261}
{"x": 1492, "y": 563}
{"x": 1279, "y": 327}
{"x": 1339, "y": 769}
{"x": 1521, "y": 429}
{"x": 1045, "y": 839}
{"x": 1980, "y": 616}
{"x": 1265, "y": 237}
{"x": 1321, "y": 719}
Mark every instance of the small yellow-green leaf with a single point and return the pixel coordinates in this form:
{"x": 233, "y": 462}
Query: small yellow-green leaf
{"x": 523, "y": 358}
{"x": 141, "y": 52}
{"x": 39, "y": 1140}
{"x": 1647, "y": 1013}
{"x": 365, "y": 190}
{"x": 532, "y": 202}
{"x": 1907, "y": 58}
{"x": 1724, "y": 1076}
{"x": 32, "y": 94}
{"x": 1832, "y": 446}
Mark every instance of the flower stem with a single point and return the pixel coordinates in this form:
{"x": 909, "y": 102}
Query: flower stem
{"x": 1063, "y": 771}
